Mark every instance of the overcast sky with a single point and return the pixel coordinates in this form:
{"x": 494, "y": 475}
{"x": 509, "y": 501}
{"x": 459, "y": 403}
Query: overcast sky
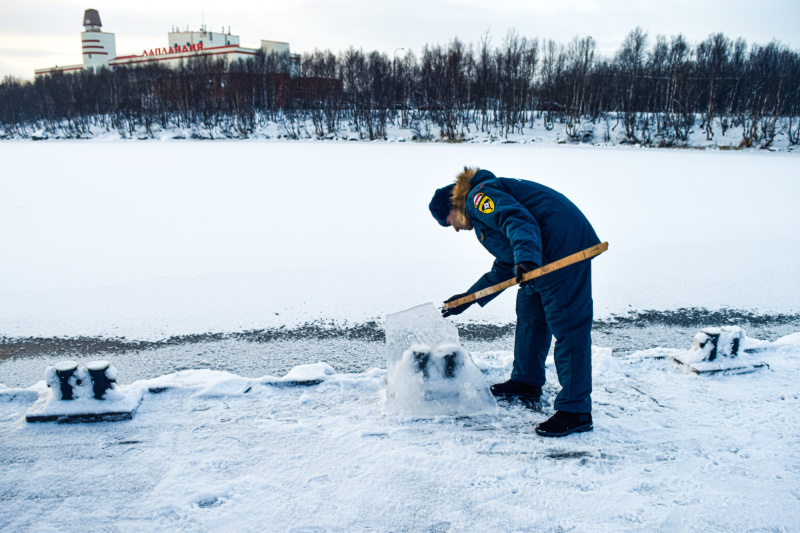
{"x": 43, "y": 33}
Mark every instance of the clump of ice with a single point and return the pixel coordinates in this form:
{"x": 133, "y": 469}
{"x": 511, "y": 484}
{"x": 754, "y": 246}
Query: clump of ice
{"x": 428, "y": 372}
{"x": 419, "y": 325}
{"x": 51, "y": 378}
{"x": 79, "y": 380}
{"x": 112, "y": 393}
{"x": 722, "y": 349}
{"x": 310, "y": 372}
{"x": 789, "y": 340}
{"x": 439, "y": 381}
{"x": 603, "y": 361}
{"x": 83, "y": 386}
{"x": 712, "y": 343}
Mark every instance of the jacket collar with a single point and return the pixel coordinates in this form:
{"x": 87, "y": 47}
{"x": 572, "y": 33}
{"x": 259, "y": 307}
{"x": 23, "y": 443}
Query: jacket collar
{"x": 465, "y": 182}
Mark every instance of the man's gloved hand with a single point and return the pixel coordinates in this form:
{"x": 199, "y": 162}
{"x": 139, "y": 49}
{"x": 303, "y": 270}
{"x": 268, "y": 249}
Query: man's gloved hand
{"x": 521, "y": 268}
{"x": 456, "y": 310}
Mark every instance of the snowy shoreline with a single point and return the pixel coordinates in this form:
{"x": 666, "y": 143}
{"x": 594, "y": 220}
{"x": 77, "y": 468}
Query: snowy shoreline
{"x": 596, "y": 135}
{"x": 212, "y": 450}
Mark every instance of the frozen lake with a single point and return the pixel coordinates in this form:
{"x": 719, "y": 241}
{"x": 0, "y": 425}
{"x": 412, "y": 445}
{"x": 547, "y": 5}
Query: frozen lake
{"x": 197, "y": 268}
{"x": 271, "y": 254}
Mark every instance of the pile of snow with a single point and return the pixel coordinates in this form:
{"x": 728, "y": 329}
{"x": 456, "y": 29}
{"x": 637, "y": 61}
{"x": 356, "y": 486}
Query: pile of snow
{"x": 312, "y": 372}
{"x": 212, "y": 384}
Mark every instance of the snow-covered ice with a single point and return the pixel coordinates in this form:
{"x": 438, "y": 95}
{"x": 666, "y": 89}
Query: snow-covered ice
{"x": 151, "y": 242}
{"x": 209, "y": 450}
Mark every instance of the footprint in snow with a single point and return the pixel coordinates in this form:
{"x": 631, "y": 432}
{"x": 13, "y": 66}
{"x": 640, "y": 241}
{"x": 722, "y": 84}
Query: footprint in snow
{"x": 319, "y": 481}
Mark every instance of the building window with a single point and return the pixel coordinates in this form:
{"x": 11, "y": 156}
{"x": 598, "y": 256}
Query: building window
{"x": 90, "y": 56}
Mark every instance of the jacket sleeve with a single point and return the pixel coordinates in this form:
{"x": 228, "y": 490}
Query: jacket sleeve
{"x": 499, "y": 273}
{"x": 506, "y": 215}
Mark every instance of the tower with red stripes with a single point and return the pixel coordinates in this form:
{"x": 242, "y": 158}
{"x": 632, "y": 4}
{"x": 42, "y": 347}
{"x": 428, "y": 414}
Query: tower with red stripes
{"x": 97, "y": 46}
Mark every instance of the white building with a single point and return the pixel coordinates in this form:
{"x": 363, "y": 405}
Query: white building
{"x": 99, "y": 48}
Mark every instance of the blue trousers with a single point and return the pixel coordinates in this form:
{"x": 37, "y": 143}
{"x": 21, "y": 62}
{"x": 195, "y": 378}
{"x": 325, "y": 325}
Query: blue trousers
{"x": 562, "y": 308}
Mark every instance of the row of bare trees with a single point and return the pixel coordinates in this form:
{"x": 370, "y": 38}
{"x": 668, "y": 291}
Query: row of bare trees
{"x": 649, "y": 91}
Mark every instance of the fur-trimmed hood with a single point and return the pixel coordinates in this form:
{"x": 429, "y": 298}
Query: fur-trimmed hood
{"x": 469, "y": 178}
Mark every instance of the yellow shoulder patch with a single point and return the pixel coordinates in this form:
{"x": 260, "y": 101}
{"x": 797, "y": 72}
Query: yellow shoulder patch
{"x": 486, "y": 205}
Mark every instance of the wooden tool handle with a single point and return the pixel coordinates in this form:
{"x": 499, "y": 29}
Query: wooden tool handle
{"x": 533, "y": 274}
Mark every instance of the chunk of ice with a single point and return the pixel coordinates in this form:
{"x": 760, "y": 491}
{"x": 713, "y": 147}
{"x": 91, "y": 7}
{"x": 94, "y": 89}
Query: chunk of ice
{"x": 711, "y": 343}
{"x": 419, "y": 325}
{"x": 429, "y": 372}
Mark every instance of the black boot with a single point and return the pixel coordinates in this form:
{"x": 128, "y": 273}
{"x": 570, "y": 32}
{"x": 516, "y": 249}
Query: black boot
{"x": 514, "y": 390}
{"x": 563, "y": 423}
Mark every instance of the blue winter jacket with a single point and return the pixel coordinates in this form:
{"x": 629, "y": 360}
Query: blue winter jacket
{"x": 518, "y": 220}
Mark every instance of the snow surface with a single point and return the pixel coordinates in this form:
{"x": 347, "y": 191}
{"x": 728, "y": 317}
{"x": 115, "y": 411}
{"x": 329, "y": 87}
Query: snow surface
{"x": 212, "y": 451}
{"x": 151, "y": 240}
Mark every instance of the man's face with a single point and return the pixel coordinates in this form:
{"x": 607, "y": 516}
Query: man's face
{"x": 452, "y": 220}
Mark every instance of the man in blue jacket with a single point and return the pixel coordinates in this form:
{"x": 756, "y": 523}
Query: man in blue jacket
{"x": 525, "y": 225}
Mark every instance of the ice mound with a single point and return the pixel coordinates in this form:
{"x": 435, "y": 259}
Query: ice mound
{"x": 439, "y": 381}
{"x": 78, "y": 393}
{"x": 429, "y": 372}
{"x": 315, "y": 371}
{"x": 711, "y": 343}
{"x": 718, "y": 349}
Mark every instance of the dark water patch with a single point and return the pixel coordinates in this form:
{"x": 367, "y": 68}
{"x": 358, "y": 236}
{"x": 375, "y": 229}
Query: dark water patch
{"x": 368, "y": 331}
{"x": 625, "y": 333}
{"x": 567, "y": 454}
{"x": 11, "y": 347}
{"x": 697, "y": 318}
{"x": 348, "y": 348}
{"x": 486, "y": 332}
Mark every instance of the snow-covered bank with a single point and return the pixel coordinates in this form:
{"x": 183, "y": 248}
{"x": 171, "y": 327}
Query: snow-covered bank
{"x": 153, "y": 240}
{"x": 213, "y": 451}
{"x": 604, "y": 132}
